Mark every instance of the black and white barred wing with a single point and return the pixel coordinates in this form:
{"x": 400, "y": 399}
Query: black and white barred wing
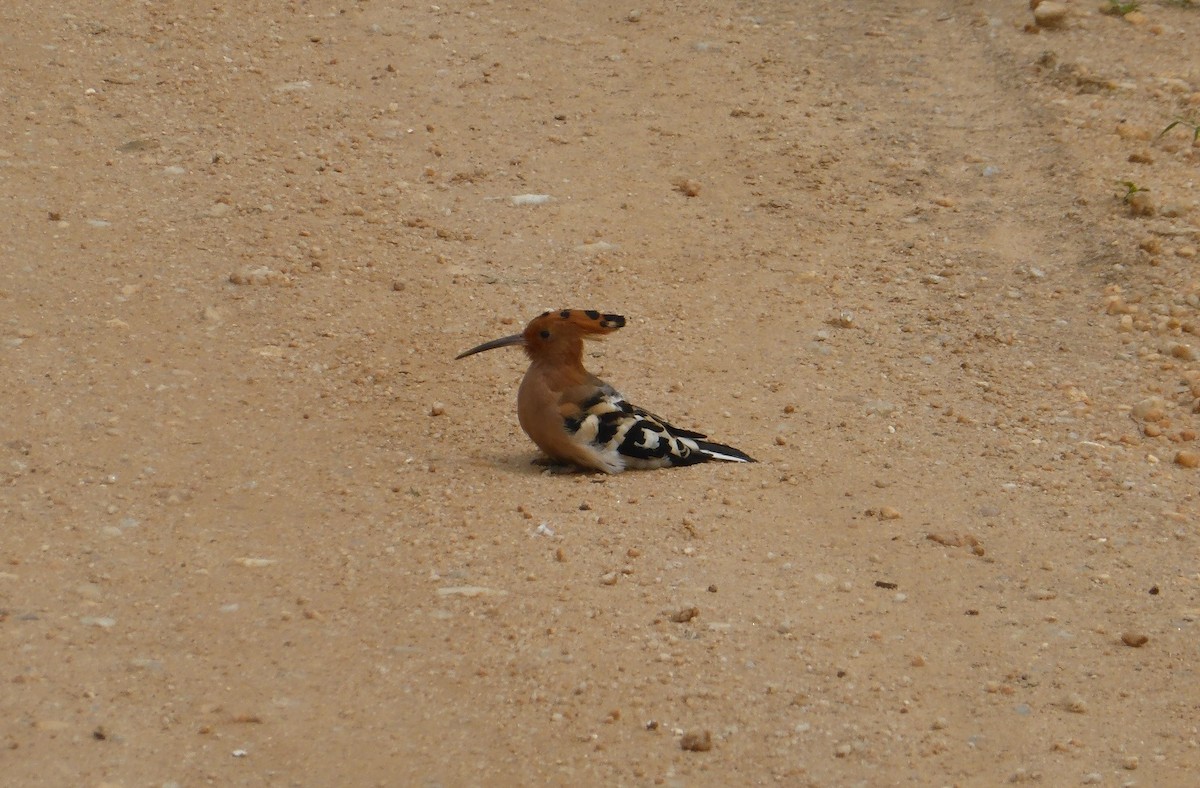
{"x": 625, "y": 436}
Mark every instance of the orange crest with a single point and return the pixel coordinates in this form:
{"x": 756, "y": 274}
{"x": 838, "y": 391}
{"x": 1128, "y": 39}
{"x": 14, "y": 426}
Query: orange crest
{"x": 551, "y": 328}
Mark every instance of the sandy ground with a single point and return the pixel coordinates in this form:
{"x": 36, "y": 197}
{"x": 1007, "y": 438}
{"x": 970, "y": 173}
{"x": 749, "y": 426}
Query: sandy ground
{"x": 936, "y": 269}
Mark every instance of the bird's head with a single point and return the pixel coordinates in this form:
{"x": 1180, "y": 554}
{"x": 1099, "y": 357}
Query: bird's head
{"x": 556, "y": 334}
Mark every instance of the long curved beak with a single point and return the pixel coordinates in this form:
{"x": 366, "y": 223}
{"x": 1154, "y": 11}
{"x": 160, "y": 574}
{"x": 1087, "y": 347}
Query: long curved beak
{"x": 515, "y": 339}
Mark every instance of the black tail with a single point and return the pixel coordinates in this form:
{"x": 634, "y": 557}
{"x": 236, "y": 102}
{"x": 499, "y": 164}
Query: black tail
{"x": 719, "y": 451}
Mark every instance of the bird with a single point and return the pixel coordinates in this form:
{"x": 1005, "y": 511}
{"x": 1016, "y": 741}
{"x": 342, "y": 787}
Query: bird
{"x": 577, "y": 419}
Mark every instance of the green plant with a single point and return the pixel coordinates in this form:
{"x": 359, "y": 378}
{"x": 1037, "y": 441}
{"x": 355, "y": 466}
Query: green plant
{"x": 1189, "y": 124}
{"x": 1117, "y": 8}
{"x": 1131, "y": 189}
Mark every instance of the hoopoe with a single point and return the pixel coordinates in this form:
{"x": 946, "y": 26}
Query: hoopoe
{"x": 575, "y": 417}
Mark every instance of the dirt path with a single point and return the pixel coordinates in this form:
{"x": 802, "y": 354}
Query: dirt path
{"x": 243, "y": 247}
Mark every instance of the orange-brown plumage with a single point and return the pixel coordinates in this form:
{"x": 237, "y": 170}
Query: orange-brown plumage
{"x": 575, "y": 417}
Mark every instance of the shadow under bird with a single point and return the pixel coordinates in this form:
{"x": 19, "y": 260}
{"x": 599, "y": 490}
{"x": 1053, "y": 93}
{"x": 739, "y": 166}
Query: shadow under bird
{"x": 576, "y": 418}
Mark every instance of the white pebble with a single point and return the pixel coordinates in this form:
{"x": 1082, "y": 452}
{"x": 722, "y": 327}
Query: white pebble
{"x": 104, "y": 622}
{"x": 254, "y": 563}
{"x": 530, "y": 199}
{"x": 470, "y": 591}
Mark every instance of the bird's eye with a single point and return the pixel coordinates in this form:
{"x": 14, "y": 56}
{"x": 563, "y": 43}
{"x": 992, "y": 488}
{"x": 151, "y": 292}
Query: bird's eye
{"x": 544, "y": 334}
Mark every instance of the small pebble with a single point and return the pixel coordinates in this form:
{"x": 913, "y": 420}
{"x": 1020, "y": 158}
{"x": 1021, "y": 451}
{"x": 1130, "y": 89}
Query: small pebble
{"x": 469, "y": 591}
{"x": 146, "y": 663}
{"x": 1187, "y": 458}
{"x": 530, "y": 199}
{"x": 1149, "y": 409}
{"x": 104, "y": 622}
{"x": 597, "y": 247}
{"x": 255, "y": 276}
{"x": 696, "y": 741}
{"x": 685, "y": 615}
{"x": 609, "y": 578}
{"x": 254, "y": 563}
{"x": 1134, "y": 639}
{"x": 1182, "y": 350}
{"x": 888, "y": 513}
{"x": 1141, "y": 204}
{"x": 1049, "y": 14}
{"x": 437, "y": 409}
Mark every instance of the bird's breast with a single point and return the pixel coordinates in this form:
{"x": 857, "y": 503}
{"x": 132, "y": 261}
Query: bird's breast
{"x": 542, "y": 408}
